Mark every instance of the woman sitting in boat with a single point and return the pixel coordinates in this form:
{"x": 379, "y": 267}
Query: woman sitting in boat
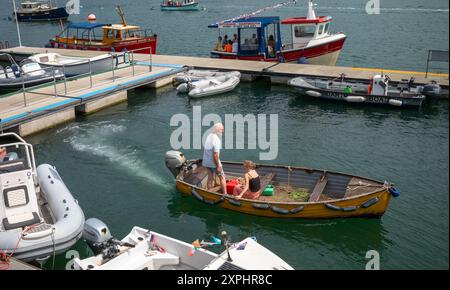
{"x": 252, "y": 187}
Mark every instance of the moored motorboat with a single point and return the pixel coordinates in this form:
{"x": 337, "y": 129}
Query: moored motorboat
{"x": 215, "y": 86}
{"x": 377, "y": 92}
{"x": 72, "y": 66}
{"x": 25, "y": 74}
{"x": 260, "y": 38}
{"x": 182, "y": 5}
{"x": 39, "y": 217}
{"x": 196, "y": 75}
{"x": 207, "y": 83}
{"x": 143, "y": 249}
{"x": 114, "y": 37}
{"x": 296, "y": 192}
{"x": 40, "y": 10}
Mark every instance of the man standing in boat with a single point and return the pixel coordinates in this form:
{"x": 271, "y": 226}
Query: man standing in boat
{"x": 211, "y": 157}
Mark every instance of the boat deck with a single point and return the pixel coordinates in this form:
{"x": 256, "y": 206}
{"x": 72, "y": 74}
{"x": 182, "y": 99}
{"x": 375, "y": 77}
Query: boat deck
{"x": 286, "y": 193}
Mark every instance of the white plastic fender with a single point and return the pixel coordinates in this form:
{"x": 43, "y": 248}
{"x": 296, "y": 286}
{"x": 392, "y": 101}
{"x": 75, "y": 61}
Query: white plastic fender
{"x": 313, "y": 93}
{"x": 355, "y": 99}
{"x": 394, "y": 102}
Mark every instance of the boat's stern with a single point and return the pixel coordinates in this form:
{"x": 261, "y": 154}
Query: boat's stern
{"x": 175, "y": 160}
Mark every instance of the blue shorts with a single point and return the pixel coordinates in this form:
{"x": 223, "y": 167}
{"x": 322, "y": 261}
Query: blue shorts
{"x": 213, "y": 170}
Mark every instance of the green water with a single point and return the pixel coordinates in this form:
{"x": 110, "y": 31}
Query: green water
{"x": 113, "y": 162}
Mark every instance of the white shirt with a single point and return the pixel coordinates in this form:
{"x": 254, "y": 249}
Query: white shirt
{"x": 212, "y": 144}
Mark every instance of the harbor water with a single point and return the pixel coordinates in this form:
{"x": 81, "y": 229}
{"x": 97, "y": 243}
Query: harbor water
{"x": 113, "y": 160}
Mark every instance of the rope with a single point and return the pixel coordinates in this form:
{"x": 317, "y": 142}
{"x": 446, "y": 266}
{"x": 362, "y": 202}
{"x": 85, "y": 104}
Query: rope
{"x": 54, "y": 248}
{"x": 5, "y": 258}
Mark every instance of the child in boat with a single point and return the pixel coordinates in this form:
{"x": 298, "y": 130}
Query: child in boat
{"x": 229, "y": 46}
{"x": 252, "y": 187}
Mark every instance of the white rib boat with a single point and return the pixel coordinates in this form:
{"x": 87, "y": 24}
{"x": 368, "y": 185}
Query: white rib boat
{"x": 73, "y": 66}
{"x": 193, "y": 75}
{"x": 142, "y": 249}
{"x": 208, "y": 83}
{"x": 39, "y": 217}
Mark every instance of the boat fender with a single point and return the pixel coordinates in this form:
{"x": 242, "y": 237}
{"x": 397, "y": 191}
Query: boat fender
{"x": 355, "y": 99}
{"x": 350, "y": 208}
{"x": 197, "y": 195}
{"x": 279, "y": 210}
{"x": 313, "y": 93}
{"x": 297, "y": 209}
{"x": 234, "y": 202}
{"x": 394, "y": 192}
{"x": 331, "y": 206}
{"x": 261, "y": 205}
{"x": 210, "y": 202}
{"x": 370, "y": 202}
{"x": 397, "y": 103}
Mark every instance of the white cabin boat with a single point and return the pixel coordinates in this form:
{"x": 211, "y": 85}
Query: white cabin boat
{"x": 72, "y": 66}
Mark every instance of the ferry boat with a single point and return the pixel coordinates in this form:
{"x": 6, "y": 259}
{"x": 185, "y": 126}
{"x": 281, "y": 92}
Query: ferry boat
{"x": 259, "y": 38}
{"x": 39, "y": 11}
{"x": 184, "y": 5}
{"x": 115, "y": 37}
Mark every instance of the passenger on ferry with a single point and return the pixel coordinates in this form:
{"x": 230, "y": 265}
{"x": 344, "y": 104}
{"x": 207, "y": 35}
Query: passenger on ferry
{"x": 225, "y": 41}
{"x": 251, "y": 189}
{"x": 229, "y": 46}
{"x": 271, "y": 45}
{"x": 218, "y": 46}
{"x": 234, "y": 48}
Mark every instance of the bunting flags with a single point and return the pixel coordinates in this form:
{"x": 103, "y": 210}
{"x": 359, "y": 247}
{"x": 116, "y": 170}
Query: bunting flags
{"x": 258, "y": 12}
{"x": 203, "y": 244}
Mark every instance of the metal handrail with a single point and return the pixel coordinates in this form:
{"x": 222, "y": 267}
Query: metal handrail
{"x": 57, "y": 77}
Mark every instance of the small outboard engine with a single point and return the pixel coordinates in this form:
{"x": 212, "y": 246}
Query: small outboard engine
{"x": 99, "y": 239}
{"x": 431, "y": 90}
{"x": 175, "y": 161}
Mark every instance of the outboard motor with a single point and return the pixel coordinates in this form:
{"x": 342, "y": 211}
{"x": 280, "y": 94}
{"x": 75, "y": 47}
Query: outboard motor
{"x": 380, "y": 85}
{"x": 99, "y": 239}
{"x": 175, "y": 161}
{"x": 431, "y": 90}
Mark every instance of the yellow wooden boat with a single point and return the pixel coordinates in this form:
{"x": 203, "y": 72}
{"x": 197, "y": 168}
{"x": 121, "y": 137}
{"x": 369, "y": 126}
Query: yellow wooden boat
{"x": 325, "y": 194}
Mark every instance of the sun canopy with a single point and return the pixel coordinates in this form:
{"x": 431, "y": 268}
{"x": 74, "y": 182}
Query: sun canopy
{"x": 86, "y": 25}
{"x": 250, "y": 22}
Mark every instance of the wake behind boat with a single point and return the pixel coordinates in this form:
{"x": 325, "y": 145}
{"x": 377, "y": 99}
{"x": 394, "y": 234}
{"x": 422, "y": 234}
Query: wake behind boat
{"x": 143, "y": 249}
{"x": 293, "y": 192}
{"x": 39, "y": 217}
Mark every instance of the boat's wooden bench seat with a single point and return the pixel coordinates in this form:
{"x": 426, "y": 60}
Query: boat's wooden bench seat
{"x": 318, "y": 189}
{"x": 266, "y": 179}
